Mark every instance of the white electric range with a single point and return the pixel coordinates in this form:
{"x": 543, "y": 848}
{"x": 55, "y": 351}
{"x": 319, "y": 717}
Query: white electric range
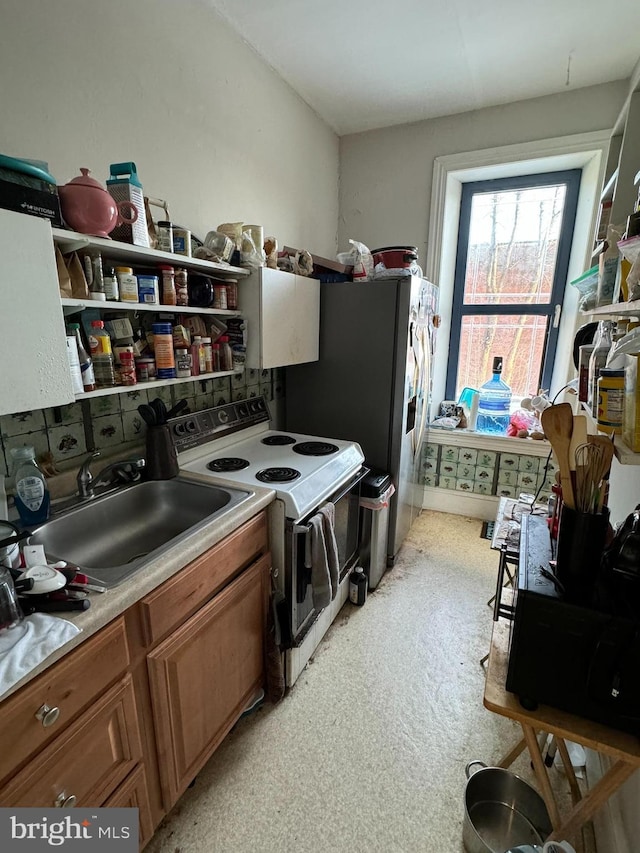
{"x": 235, "y": 442}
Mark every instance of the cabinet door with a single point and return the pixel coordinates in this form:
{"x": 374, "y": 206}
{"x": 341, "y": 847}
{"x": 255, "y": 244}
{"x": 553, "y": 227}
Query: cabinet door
{"x": 133, "y": 794}
{"x": 33, "y": 348}
{"x": 290, "y": 318}
{"x": 203, "y": 676}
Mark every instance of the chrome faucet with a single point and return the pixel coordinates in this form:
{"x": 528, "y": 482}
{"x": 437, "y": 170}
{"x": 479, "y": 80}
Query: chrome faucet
{"x": 126, "y": 470}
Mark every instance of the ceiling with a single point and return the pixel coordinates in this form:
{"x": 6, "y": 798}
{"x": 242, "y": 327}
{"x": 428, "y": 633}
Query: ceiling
{"x": 362, "y": 64}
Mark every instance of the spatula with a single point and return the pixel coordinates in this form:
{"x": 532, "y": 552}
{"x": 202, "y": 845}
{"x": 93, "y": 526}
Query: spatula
{"x": 557, "y": 423}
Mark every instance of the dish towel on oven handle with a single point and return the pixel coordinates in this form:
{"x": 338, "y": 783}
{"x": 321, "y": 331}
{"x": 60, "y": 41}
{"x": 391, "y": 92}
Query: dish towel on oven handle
{"x": 322, "y": 556}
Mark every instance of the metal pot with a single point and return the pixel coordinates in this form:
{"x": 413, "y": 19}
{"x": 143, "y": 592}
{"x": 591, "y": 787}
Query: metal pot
{"x": 501, "y": 811}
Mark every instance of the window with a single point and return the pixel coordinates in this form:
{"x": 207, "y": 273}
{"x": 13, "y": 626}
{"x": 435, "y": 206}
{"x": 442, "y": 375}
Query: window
{"x": 514, "y": 242}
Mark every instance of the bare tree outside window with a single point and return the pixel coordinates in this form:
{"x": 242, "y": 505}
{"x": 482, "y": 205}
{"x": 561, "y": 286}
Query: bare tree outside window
{"x": 508, "y": 281}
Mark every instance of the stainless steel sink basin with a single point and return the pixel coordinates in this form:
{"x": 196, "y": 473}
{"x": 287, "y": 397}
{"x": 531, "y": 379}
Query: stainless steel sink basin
{"x": 113, "y": 536}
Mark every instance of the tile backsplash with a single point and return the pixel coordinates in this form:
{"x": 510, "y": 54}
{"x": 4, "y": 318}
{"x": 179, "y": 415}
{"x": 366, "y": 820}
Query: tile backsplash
{"x": 61, "y": 434}
{"x": 486, "y": 472}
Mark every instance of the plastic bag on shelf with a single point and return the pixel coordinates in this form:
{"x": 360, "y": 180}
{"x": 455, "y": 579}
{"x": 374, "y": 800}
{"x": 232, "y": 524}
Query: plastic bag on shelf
{"x": 587, "y": 286}
{"x": 630, "y": 250}
{"x": 251, "y": 255}
{"x": 360, "y": 258}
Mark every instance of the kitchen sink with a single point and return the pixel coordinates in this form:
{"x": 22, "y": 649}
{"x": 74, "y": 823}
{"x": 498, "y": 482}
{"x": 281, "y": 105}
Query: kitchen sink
{"x": 113, "y": 536}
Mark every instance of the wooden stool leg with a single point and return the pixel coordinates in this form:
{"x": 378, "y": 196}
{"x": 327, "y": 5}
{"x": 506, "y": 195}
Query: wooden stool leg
{"x": 591, "y": 802}
{"x": 541, "y": 774}
{"x": 576, "y": 796}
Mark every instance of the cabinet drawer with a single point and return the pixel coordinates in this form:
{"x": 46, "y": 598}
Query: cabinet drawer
{"x": 68, "y": 686}
{"x": 133, "y": 794}
{"x": 180, "y": 596}
{"x": 88, "y": 760}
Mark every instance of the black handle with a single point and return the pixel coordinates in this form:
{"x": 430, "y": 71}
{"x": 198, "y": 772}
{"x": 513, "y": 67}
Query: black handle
{"x": 48, "y": 606}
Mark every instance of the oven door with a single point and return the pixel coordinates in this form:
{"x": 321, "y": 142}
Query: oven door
{"x": 346, "y": 501}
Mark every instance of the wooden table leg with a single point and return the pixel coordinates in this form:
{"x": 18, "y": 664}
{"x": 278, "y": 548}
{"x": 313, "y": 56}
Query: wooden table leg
{"x": 510, "y": 757}
{"x": 576, "y": 796}
{"x": 541, "y": 774}
{"x": 591, "y": 802}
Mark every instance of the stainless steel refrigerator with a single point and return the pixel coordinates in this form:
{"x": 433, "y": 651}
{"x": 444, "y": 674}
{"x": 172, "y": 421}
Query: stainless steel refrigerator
{"x": 372, "y": 383}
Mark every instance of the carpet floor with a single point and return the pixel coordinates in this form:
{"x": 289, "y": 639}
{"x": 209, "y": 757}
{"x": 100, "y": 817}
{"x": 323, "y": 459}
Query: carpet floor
{"x": 368, "y": 750}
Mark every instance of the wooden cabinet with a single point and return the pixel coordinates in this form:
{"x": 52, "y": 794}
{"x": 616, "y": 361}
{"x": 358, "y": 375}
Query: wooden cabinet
{"x": 33, "y": 347}
{"x": 282, "y": 313}
{"x": 132, "y": 714}
{"x": 204, "y": 674}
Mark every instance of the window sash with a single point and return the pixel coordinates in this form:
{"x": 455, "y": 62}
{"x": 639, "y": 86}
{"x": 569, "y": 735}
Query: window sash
{"x": 571, "y": 179}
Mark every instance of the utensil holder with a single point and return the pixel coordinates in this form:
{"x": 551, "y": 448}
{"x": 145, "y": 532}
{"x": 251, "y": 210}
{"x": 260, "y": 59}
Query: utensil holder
{"x": 581, "y": 541}
{"x": 162, "y": 460}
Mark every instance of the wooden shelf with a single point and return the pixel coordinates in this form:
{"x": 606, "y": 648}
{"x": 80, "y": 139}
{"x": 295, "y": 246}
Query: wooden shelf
{"x": 144, "y": 386}
{"x": 71, "y": 241}
{"x": 81, "y": 304}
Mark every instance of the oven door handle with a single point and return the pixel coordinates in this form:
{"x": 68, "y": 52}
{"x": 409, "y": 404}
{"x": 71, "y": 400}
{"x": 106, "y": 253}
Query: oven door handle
{"x": 360, "y": 475}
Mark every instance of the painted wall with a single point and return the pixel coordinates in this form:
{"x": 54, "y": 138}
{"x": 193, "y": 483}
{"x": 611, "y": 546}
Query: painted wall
{"x": 168, "y": 85}
{"x": 385, "y": 175}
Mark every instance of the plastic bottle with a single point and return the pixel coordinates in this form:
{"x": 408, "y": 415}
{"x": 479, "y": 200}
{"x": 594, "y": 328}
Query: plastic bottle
{"x": 215, "y": 355}
{"x": 102, "y": 355}
{"x": 198, "y": 356}
{"x": 226, "y": 354}
{"x": 358, "y": 586}
{"x": 494, "y": 403}
{"x": 111, "y": 289}
{"x": 86, "y": 365}
{"x": 128, "y": 283}
{"x": 31, "y": 492}
{"x": 601, "y": 346}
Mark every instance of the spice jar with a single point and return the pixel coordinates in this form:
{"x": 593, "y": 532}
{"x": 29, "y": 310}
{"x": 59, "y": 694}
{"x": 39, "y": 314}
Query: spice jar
{"x": 145, "y": 369}
{"x": 168, "y": 285}
{"x": 232, "y": 294}
{"x": 182, "y": 292}
{"x": 164, "y": 232}
{"x": 183, "y": 363}
{"x": 220, "y": 295}
{"x": 127, "y": 367}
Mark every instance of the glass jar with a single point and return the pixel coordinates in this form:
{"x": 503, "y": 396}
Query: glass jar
{"x": 182, "y": 292}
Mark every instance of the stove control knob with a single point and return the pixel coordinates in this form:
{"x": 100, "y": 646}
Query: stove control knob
{"x": 256, "y": 405}
{"x": 243, "y": 411}
{"x": 191, "y": 427}
{"x": 178, "y": 429}
{"x": 223, "y": 417}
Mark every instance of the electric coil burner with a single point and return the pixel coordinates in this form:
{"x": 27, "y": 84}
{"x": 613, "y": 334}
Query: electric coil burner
{"x": 278, "y": 440}
{"x": 277, "y": 475}
{"x": 235, "y": 444}
{"x": 314, "y": 448}
{"x": 228, "y": 463}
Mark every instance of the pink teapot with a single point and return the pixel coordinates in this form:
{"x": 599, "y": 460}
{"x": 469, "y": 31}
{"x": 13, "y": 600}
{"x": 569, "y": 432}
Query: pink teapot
{"x": 88, "y": 208}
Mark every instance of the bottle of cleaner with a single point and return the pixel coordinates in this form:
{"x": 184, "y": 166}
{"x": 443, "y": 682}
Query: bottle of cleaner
{"x": 358, "y": 586}
{"x": 494, "y": 403}
{"x": 31, "y": 492}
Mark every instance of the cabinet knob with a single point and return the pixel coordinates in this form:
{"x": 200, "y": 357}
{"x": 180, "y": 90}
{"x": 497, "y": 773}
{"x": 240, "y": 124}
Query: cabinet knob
{"x": 47, "y": 715}
{"x": 64, "y": 802}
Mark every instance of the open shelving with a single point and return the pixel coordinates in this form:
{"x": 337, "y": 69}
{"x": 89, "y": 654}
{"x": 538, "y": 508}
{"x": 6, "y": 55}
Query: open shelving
{"x": 72, "y": 241}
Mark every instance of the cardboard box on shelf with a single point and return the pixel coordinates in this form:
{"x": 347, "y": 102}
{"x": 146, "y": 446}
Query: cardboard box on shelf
{"x": 25, "y": 199}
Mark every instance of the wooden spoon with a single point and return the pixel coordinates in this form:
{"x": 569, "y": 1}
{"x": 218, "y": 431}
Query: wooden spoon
{"x": 557, "y": 423}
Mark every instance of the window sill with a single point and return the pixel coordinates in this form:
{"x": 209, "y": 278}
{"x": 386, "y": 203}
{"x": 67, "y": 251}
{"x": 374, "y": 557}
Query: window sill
{"x": 468, "y": 438}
